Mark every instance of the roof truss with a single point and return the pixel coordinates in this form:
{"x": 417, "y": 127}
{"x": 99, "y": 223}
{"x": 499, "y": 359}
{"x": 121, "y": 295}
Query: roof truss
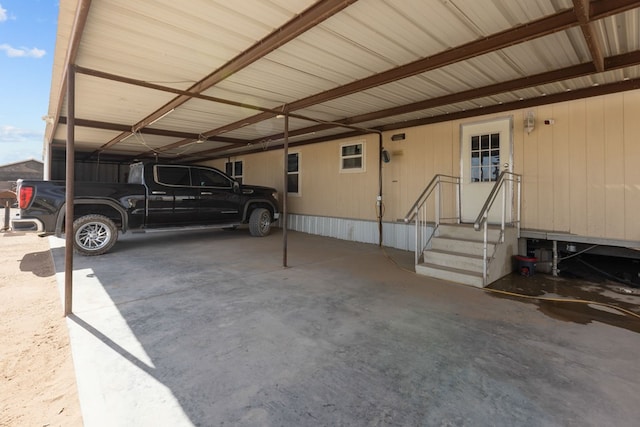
{"x": 583, "y": 14}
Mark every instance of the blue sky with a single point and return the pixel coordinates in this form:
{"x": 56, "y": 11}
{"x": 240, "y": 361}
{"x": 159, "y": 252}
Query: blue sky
{"x": 27, "y": 42}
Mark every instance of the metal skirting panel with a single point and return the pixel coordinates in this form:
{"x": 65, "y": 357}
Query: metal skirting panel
{"x": 574, "y": 238}
{"x": 399, "y": 235}
{"x": 395, "y": 234}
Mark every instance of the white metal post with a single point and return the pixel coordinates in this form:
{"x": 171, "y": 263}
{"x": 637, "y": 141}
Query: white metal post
{"x": 417, "y": 231}
{"x": 484, "y": 256}
{"x": 437, "y": 202}
{"x": 504, "y": 210}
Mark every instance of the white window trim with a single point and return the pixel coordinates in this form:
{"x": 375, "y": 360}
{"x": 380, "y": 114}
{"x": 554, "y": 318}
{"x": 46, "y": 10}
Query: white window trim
{"x": 233, "y": 169}
{"x": 299, "y": 173}
{"x": 363, "y": 155}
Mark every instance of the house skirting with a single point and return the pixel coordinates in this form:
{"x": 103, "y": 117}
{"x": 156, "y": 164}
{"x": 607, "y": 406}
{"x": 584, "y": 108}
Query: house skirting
{"x": 394, "y": 234}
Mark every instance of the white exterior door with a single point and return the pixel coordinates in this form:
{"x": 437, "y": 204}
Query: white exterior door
{"x": 486, "y": 150}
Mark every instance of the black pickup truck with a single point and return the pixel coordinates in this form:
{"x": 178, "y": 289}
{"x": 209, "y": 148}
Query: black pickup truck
{"x": 156, "y": 197}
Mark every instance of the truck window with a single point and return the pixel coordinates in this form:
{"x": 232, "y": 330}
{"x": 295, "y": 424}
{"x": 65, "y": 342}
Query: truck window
{"x": 177, "y": 176}
{"x": 209, "y": 178}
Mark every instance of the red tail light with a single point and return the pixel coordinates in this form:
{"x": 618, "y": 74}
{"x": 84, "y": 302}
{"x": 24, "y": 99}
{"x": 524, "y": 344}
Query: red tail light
{"x": 26, "y": 194}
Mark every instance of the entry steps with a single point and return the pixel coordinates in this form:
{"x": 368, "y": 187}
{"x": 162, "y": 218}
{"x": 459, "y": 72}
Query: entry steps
{"x": 455, "y": 254}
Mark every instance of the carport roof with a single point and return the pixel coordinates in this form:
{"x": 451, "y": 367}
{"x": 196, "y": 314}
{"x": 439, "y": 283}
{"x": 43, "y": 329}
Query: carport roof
{"x": 208, "y": 78}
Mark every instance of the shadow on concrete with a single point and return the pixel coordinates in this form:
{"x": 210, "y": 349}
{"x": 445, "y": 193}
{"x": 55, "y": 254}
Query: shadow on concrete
{"x": 110, "y": 343}
{"x": 34, "y": 263}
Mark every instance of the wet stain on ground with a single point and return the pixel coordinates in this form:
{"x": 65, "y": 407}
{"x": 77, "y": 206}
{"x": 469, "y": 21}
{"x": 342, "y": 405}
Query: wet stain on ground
{"x": 601, "y": 298}
{"x": 576, "y": 282}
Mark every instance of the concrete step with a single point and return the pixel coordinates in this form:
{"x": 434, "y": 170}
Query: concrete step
{"x": 461, "y": 246}
{"x": 454, "y": 259}
{"x": 467, "y": 232}
{"x": 456, "y": 254}
{"x": 450, "y": 274}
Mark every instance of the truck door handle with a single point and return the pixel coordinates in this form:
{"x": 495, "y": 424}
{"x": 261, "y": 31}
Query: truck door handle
{"x": 158, "y": 192}
{"x": 206, "y": 193}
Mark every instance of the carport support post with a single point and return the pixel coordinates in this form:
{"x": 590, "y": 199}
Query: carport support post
{"x": 379, "y": 201}
{"x": 69, "y": 192}
{"x": 7, "y": 214}
{"x": 285, "y": 190}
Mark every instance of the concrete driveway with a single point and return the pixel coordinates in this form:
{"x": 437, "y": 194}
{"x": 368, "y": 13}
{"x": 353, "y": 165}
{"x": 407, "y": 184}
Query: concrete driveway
{"x": 207, "y": 329}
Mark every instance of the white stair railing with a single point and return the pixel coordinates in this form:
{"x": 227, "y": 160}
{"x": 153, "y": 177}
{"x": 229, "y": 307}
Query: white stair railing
{"x": 419, "y": 211}
{"x": 482, "y": 219}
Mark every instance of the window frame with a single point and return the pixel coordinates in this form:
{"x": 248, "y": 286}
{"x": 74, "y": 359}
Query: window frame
{"x": 157, "y": 169}
{"x": 362, "y": 155}
{"x": 298, "y": 173}
{"x": 156, "y": 175}
{"x": 214, "y": 171}
{"x": 484, "y": 154}
{"x": 239, "y": 178}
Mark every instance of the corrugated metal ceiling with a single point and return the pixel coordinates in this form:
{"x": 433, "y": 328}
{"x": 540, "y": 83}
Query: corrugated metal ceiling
{"x": 372, "y": 63}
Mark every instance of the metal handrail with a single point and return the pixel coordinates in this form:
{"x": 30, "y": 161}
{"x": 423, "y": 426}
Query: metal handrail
{"x": 419, "y": 210}
{"x": 488, "y": 204}
{"x": 422, "y": 198}
{"x": 481, "y": 220}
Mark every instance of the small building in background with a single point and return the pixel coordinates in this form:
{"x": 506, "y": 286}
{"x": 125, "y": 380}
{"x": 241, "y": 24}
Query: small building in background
{"x": 26, "y": 169}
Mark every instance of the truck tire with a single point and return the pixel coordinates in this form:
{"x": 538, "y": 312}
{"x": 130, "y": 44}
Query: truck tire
{"x": 94, "y": 234}
{"x": 260, "y": 222}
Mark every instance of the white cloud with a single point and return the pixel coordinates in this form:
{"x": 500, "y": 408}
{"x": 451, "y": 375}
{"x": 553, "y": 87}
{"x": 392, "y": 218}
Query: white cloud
{"x": 22, "y": 52}
{"x": 11, "y": 134}
{"x": 3, "y": 14}
{"x": 19, "y": 144}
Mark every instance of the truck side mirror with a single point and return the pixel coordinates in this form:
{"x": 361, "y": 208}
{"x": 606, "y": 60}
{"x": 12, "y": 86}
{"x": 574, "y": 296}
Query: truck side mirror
{"x": 236, "y": 187}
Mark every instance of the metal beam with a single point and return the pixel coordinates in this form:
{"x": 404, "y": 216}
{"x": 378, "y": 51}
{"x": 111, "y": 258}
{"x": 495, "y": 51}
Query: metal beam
{"x": 581, "y": 9}
{"x": 312, "y": 16}
{"x": 573, "y": 72}
{"x": 525, "y": 32}
{"x": 189, "y": 138}
{"x": 589, "y": 92}
{"x": 576, "y": 71}
{"x": 285, "y": 191}
{"x": 319, "y": 12}
{"x": 79, "y": 22}
{"x": 94, "y": 124}
{"x": 69, "y": 192}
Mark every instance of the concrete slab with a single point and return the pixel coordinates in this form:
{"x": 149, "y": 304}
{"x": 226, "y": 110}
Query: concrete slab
{"x": 208, "y": 329}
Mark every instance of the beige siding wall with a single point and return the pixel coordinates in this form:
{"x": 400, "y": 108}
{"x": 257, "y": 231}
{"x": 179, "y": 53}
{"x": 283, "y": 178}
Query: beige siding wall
{"x": 425, "y": 151}
{"x": 324, "y": 190}
{"x": 581, "y": 174}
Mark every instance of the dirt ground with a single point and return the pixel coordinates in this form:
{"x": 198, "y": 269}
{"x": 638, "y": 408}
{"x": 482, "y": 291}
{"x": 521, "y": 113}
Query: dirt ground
{"x": 38, "y": 386}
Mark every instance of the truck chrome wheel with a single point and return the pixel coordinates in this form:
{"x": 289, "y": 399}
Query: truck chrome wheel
{"x": 94, "y": 234}
{"x": 260, "y": 222}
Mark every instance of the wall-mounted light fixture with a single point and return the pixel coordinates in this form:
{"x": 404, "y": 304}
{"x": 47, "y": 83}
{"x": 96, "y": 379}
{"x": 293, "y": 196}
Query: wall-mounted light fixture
{"x": 529, "y": 121}
{"x": 386, "y": 157}
{"x": 397, "y": 137}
